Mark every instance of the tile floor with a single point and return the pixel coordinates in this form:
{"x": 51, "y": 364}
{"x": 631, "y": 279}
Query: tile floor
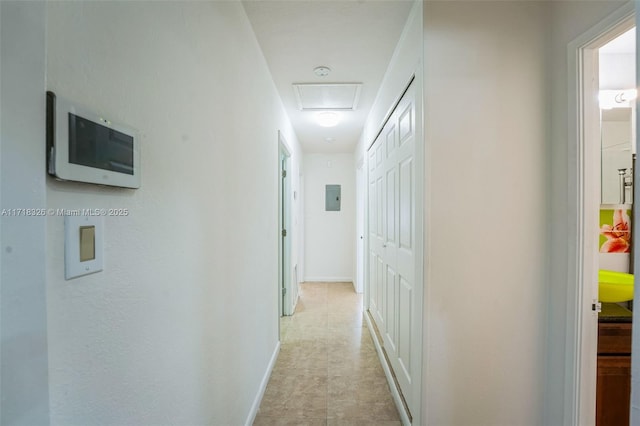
{"x": 328, "y": 372}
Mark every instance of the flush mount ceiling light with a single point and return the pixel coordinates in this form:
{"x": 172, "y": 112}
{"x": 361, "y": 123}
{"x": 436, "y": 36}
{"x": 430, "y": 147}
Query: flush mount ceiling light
{"x": 329, "y": 140}
{"x": 322, "y": 71}
{"x": 328, "y": 118}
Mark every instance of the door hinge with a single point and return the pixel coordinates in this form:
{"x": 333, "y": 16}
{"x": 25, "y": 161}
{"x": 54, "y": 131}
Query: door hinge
{"x": 284, "y": 232}
{"x": 596, "y": 307}
{"x": 284, "y": 173}
{"x": 284, "y": 291}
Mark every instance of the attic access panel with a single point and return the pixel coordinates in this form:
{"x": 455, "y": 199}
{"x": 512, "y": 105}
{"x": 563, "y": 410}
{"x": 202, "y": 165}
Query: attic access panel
{"x": 334, "y": 96}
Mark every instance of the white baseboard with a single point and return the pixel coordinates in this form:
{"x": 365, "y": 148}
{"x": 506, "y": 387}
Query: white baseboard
{"x": 328, "y": 279}
{"x": 263, "y": 386}
{"x": 395, "y": 392}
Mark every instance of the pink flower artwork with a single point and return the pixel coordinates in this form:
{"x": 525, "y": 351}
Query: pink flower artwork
{"x": 618, "y": 236}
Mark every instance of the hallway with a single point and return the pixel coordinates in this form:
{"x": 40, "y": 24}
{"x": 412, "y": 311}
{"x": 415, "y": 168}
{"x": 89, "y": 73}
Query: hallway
{"x": 328, "y": 372}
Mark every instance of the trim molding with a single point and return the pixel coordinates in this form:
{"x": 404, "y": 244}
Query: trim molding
{"x": 328, "y": 279}
{"x": 251, "y": 417}
{"x": 395, "y": 392}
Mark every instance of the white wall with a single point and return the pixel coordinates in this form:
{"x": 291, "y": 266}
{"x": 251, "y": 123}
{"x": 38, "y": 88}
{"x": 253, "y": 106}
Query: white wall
{"x": 328, "y": 235}
{"x": 23, "y": 323}
{"x": 182, "y": 323}
{"x": 617, "y": 71}
{"x": 485, "y": 128}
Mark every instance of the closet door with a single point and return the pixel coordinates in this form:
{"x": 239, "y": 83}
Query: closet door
{"x": 392, "y": 239}
{"x": 376, "y": 234}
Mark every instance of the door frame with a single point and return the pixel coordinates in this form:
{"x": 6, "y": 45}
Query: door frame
{"x": 285, "y": 304}
{"x": 584, "y": 201}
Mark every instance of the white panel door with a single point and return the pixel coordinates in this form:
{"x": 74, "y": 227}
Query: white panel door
{"x": 376, "y": 237}
{"x": 392, "y": 238}
{"x": 404, "y": 163}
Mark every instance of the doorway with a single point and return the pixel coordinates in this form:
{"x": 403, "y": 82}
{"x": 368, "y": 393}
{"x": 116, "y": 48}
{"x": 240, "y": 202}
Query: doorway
{"x": 617, "y": 107}
{"x": 360, "y": 186}
{"x": 584, "y": 66}
{"x": 287, "y": 288}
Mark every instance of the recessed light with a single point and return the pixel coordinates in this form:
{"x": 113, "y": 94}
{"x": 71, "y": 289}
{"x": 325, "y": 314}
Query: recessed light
{"x": 328, "y": 118}
{"x": 322, "y": 71}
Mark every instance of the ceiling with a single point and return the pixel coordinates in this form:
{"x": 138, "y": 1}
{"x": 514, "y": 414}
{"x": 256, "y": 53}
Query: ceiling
{"x": 625, "y": 43}
{"x": 618, "y": 62}
{"x": 354, "y": 38}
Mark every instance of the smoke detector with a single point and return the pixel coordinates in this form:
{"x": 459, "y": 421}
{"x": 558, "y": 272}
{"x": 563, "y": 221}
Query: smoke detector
{"x": 322, "y": 71}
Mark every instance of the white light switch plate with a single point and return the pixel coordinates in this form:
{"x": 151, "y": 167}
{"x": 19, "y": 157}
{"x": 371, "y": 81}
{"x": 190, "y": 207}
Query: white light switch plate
{"x": 73, "y": 267}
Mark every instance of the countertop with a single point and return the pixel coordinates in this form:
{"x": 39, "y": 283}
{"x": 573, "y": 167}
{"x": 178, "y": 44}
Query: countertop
{"x": 612, "y": 312}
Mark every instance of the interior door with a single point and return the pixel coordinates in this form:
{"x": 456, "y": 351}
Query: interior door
{"x": 360, "y": 186}
{"x": 288, "y": 289}
{"x": 392, "y": 240}
{"x": 376, "y": 237}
